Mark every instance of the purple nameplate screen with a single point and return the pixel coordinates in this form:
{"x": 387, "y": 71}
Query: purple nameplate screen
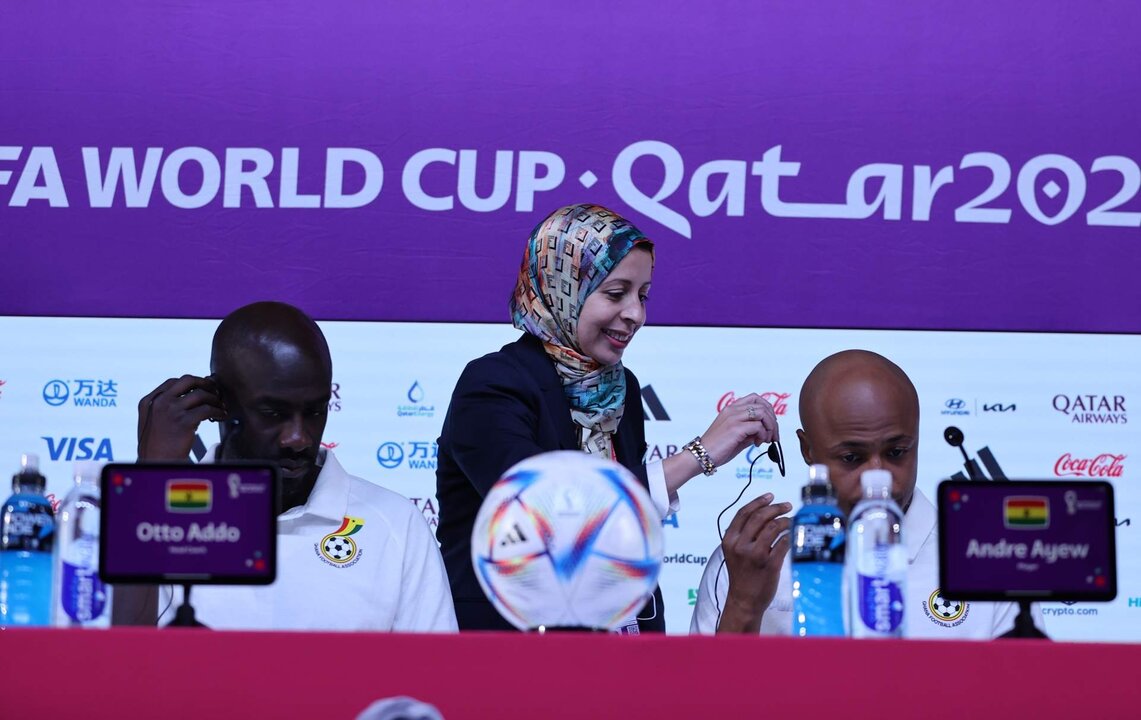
{"x": 200, "y": 523}
{"x": 1027, "y": 539}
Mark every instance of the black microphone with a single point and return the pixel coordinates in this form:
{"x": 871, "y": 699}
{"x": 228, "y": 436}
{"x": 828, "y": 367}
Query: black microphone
{"x": 954, "y": 438}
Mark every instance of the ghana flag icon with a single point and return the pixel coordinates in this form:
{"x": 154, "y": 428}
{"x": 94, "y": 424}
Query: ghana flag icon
{"x": 189, "y": 496}
{"x": 1026, "y": 512}
{"x": 349, "y": 526}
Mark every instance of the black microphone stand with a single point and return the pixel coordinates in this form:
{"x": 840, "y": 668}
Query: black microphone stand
{"x": 1024, "y": 627}
{"x": 954, "y": 438}
{"x": 184, "y": 616}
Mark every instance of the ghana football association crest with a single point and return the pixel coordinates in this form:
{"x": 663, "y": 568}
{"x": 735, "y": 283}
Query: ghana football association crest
{"x": 942, "y": 611}
{"x": 338, "y": 548}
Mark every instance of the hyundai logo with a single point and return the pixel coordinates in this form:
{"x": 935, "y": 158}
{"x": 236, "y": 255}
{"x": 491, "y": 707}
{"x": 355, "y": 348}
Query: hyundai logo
{"x": 56, "y": 393}
{"x": 955, "y": 404}
{"x": 389, "y": 455}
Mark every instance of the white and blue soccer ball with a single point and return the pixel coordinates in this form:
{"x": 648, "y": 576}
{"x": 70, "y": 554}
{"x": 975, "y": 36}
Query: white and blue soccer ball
{"x": 567, "y": 540}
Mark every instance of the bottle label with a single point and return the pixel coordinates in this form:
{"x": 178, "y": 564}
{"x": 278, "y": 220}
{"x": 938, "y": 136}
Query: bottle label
{"x": 27, "y": 526}
{"x": 818, "y": 542}
{"x": 880, "y": 573}
{"x": 82, "y": 594}
{"x": 880, "y": 603}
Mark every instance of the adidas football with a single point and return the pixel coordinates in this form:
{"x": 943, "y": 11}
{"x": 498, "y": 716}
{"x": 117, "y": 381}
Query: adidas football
{"x": 567, "y": 540}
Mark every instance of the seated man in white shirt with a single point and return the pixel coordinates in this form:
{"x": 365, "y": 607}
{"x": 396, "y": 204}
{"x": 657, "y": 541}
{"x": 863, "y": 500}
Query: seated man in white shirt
{"x": 269, "y": 388}
{"x": 859, "y": 411}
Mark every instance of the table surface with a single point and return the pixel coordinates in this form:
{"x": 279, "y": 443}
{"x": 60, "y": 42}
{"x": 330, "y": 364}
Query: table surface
{"x": 190, "y": 673}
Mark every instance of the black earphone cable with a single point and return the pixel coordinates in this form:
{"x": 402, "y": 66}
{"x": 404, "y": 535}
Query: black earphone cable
{"x": 721, "y": 533}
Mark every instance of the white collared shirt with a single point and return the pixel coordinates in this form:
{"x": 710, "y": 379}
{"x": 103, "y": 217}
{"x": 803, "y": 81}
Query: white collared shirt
{"x": 958, "y": 620}
{"x": 388, "y": 575}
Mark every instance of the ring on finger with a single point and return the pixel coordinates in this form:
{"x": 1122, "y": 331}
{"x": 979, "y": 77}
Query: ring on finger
{"x": 751, "y": 412}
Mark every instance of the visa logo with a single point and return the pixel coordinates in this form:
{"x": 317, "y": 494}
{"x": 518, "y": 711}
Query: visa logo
{"x": 70, "y": 448}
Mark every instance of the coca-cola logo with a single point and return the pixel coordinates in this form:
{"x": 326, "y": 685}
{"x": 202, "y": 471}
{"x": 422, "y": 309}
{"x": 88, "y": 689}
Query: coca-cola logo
{"x": 778, "y": 400}
{"x": 1106, "y": 465}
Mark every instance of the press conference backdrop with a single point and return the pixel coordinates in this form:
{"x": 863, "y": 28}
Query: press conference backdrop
{"x": 830, "y": 164}
{"x": 1047, "y": 405}
{"x": 886, "y": 165}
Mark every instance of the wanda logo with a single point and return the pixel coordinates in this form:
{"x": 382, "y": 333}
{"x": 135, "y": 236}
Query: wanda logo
{"x": 1106, "y": 465}
{"x": 778, "y": 400}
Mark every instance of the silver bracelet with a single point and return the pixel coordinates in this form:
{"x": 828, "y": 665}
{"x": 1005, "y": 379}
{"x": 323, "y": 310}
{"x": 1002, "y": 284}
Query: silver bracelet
{"x": 698, "y": 449}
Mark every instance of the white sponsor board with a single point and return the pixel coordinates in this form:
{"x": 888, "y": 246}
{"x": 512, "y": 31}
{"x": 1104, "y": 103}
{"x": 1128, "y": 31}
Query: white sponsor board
{"x": 1047, "y": 405}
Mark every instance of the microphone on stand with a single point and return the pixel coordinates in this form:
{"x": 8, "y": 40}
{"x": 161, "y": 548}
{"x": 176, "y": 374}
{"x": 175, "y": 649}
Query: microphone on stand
{"x": 954, "y": 438}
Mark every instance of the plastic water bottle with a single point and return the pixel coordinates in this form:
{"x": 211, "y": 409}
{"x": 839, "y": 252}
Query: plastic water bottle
{"x": 27, "y": 529}
{"x": 79, "y": 599}
{"x": 818, "y": 560}
{"x": 876, "y": 566}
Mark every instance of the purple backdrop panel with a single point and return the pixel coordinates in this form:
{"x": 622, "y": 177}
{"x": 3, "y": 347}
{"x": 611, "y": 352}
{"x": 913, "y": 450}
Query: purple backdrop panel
{"x": 887, "y": 165}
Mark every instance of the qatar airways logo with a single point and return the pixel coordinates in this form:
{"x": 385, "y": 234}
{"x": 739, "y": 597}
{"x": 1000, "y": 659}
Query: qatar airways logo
{"x": 778, "y": 400}
{"x": 1091, "y": 409}
{"x": 427, "y": 508}
{"x": 1106, "y": 465}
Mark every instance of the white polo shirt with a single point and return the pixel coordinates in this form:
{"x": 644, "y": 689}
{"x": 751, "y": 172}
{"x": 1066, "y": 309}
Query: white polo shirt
{"x": 385, "y": 575}
{"x": 947, "y": 620}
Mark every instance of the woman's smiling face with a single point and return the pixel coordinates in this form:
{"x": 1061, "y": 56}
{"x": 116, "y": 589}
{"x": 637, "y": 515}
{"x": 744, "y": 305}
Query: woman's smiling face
{"x": 616, "y": 309}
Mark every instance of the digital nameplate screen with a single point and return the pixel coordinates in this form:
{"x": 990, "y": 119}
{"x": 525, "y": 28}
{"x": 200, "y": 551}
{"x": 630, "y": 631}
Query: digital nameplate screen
{"x": 1027, "y": 539}
{"x": 200, "y": 524}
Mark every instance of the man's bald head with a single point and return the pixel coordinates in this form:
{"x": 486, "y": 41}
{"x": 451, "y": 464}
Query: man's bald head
{"x": 849, "y": 371}
{"x": 272, "y": 330}
{"x": 860, "y": 411}
{"x": 272, "y": 367}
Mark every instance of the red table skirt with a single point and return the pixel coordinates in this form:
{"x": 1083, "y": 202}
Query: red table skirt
{"x": 137, "y": 672}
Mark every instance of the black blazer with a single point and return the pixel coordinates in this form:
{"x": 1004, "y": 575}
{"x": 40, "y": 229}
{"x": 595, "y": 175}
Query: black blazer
{"x": 508, "y": 406}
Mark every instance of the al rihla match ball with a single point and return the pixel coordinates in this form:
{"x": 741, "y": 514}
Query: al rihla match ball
{"x": 567, "y": 540}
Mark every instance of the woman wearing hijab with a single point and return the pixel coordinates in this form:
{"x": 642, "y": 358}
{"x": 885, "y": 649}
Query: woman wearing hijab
{"x": 579, "y": 300}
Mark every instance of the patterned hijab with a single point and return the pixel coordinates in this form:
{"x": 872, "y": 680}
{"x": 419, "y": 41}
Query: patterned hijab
{"x": 568, "y": 256}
